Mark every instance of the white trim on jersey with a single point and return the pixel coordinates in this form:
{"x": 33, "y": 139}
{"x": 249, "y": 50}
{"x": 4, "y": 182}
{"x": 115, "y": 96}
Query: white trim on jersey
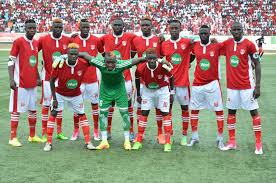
{"x": 84, "y": 40}
{"x": 29, "y": 41}
{"x": 56, "y": 39}
{"x": 16, "y": 72}
{"x": 175, "y": 42}
{"x": 117, "y": 37}
{"x": 250, "y": 72}
{"x": 147, "y": 39}
{"x": 205, "y": 46}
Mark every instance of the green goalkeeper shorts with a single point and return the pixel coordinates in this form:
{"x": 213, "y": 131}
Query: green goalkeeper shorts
{"x": 107, "y": 97}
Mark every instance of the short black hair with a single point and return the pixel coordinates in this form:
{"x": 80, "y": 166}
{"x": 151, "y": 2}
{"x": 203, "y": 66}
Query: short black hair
{"x": 29, "y": 21}
{"x": 205, "y": 27}
{"x": 116, "y": 18}
{"x": 84, "y": 20}
{"x": 174, "y": 21}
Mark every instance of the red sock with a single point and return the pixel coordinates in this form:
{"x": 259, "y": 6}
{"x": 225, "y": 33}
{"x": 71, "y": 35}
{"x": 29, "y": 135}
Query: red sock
{"x": 185, "y": 122}
{"x": 109, "y": 119}
{"x": 159, "y": 121}
{"x": 32, "y": 122}
{"x": 14, "y": 124}
{"x": 257, "y": 128}
{"x": 141, "y": 128}
{"x": 231, "y": 125}
{"x": 44, "y": 113}
{"x": 170, "y": 113}
{"x": 130, "y": 111}
{"x": 85, "y": 128}
{"x": 167, "y": 121}
{"x": 220, "y": 121}
{"x": 95, "y": 111}
{"x": 76, "y": 121}
{"x": 138, "y": 113}
{"x": 50, "y": 128}
{"x": 194, "y": 120}
{"x": 59, "y": 122}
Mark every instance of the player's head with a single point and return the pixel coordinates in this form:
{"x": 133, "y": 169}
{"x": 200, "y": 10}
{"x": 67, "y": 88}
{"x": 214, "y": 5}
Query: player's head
{"x": 57, "y": 27}
{"x": 174, "y": 28}
{"x": 110, "y": 61}
{"x": 204, "y": 34}
{"x": 237, "y": 31}
{"x": 30, "y": 28}
{"x": 84, "y": 28}
{"x": 73, "y": 52}
{"x": 146, "y": 26}
{"x": 117, "y": 25}
{"x": 151, "y": 56}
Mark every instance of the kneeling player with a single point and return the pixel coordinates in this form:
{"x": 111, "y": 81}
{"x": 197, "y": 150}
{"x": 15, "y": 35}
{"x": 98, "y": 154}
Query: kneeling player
{"x": 69, "y": 79}
{"x": 155, "y": 93}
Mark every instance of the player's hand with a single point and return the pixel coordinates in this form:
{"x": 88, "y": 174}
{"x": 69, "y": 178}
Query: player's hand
{"x": 139, "y": 99}
{"x": 12, "y": 85}
{"x": 256, "y": 92}
{"x": 54, "y": 104}
{"x": 161, "y": 38}
{"x": 59, "y": 61}
{"x": 38, "y": 82}
{"x": 171, "y": 98}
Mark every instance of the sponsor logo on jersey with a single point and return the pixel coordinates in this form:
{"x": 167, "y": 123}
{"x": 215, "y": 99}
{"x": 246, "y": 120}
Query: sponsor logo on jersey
{"x": 93, "y": 47}
{"x": 212, "y": 53}
{"x": 79, "y": 73}
{"x": 183, "y": 46}
{"x": 117, "y": 54}
{"x": 32, "y": 61}
{"x": 204, "y": 64}
{"x": 153, "y": 85}
{"x": 176, "y": 58}
{"x": 154, "y": 44}
{"x": 56, "y": 55}
{"x": 124, "y": 43}
{"x": 242, "y": 51}
{"x": 72, "y": 84}
{"x": 234, "y": 61}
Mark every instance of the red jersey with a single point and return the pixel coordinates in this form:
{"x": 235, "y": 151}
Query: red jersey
{"x": 153, "y": 78}
{"x": 207, "y": 63}
{"x": 92, "y": 45}
{"x": 178, "y": 53}
{"x": 69, "y": 78}
{"x": 25, "y": 53}
{"x": 141, "y": 44}
{"x": 239, "y": 72}
{"x": 51, "y": 47}
{"x": 121, "y": 45}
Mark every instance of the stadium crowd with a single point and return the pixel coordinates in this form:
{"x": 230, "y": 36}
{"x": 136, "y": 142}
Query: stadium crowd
{"x": 256, "y": 16}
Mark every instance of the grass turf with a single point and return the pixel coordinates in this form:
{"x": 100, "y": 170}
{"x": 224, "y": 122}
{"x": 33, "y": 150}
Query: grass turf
{"x": 70, "y": 162}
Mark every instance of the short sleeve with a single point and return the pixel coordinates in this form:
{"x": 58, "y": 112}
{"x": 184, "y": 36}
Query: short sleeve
{"x": 102, "y": 40}
{"x": 251, "y": 48}
{"x": 15, "y": 48}
{"x": 54, "y": 73}
{"x": 222, "y": 48}
{"x": 100, "y": 46}
{"x": 40, "y": 40}
{"x": 133, "y": 47}
{"x": 137, "y": 73}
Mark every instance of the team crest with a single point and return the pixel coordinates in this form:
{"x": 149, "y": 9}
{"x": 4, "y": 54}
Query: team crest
{"x": 79, "y": 73}
{"x": 64, "y": 46}
{"x": 92, "y": 47}
{"x": 154, "y": 44}
{"x": 183, "y": 46}
{"x": 212, "y": 53}
{"x": 242, "y": 51}
{"x": 124, "y": 43}
{"x": 159, "y": 76}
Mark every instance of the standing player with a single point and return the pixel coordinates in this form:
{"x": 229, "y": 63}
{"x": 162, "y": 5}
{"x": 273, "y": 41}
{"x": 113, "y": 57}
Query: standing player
{"x": 260, "y": 43}
{"x": 155, "y": 93}
{"x": 24, "y": 78}
{"x": 177, "y": 51}
{"x": 52, "y": 45}
{"x": 69, "y": 79}
{"x": 206, "y": 92}
{"x": 140, "y": 45}
{"x": 89, "y": 87}
{"x": 120, "y": 44}
{"x": 242, "y": 89}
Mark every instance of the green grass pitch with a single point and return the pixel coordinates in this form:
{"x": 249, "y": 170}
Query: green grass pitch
{"x": 204, "y": 163}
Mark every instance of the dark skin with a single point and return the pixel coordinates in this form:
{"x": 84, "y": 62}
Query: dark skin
{"x": 30, "y": 29}
{"x": 57, "y": 29}
{"x": 84, "y": 29}
{"x": 237, "y": 33}
{"x": 72, "y": 59}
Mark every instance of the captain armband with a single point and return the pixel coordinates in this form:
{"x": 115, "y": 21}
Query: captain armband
{"x": 256, "y": 55}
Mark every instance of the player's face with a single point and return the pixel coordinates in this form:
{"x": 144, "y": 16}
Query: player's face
{"x": 72, "y": 55}
{"x": 110, "y": 63}
{"x": 237, "y": 31}
{"x": 84, "y": 28}
{"x": 146, "y": 27}
{"x": 174, "y": 29}
{"x": 152, "y": 59}
{"x": 30, "y": 29}
{"x": 57, "y": 29}
{"x": 117, "y": 26}
{"x": 204, "y": 34}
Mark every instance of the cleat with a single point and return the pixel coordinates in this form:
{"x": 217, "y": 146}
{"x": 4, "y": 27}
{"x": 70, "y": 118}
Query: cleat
{"x": 14, "y": 142}
{"x": 193, "y": 142}
{"x": 96, "y": 135}
{"x": 75, "y": 135}
{"x": 183, "y": 141}
{"x": 131, "y": 137}
{"x": 220, "y": 143}
{"x": 161, "y": 138}
{"x": 103, "y": 145}
{"x": 109, "y": 136}
{"x": 259, "y": 149}
{"x": 48, "y": 147}
{"x": 167, "y": 147}
{"x": 136, "y": 146}
{"x": 90, "y": 146}
{"x": 127, "y": 145}
{"x": 231, "y": 145}
{"x": 44, "y": 138}
{"x": 35, "y": 139}
{"x": 61, "y": 136}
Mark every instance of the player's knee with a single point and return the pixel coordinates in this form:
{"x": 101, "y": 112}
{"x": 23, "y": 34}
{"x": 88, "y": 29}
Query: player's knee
{"x": 164, "y": 113}
{"x": 232, "y": 111}
{"x": 54, "y": 113}
{"x": 184, "y": 107}
{"x": 145, "y": 112}
{"x": 254, "y": 112}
